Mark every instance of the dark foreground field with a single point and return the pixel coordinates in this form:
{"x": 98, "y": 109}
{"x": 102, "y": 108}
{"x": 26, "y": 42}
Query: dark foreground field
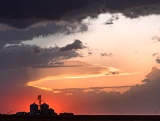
{"x": 80, "y": 118}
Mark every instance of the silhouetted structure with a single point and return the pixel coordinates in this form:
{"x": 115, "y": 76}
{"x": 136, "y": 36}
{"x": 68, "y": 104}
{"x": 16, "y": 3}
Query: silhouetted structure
{"x": 51, "y": 112}
{"x": 21, "y": 113}
{"x": 41, "y": 109}
{"x": 65, "y": 113}
{"x": 44, "y": 109}
{"x": 34, "y": 109}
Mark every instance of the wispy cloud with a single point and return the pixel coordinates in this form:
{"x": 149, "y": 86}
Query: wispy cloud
{"x": 156, "y": 38}
{"x": 21, "y": 56}
{"x": 85, "y": 71}
{"x": 106, "y": 54}
{"x": 77, "y": 44}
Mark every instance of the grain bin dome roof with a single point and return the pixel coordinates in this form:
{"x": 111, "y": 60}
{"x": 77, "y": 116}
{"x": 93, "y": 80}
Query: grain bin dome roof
{"x": 44, "y": 104}
{"x": 34, "y": 104}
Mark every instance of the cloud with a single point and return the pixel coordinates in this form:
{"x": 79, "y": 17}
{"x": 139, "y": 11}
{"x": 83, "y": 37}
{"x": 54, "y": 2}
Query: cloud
{"x": 21, "y": 56}
{"x": 157, "y": 57}
{"x": 74, "y": 11}
{"x": 74, "y": 77}
{"x": 142, "y": 10}
{"x": 155, "y": 54}
{"x": 139, "y": 99}
{"x": 113, "y": 18}
{"x": 37, "y": 50}
{"x": 77, "y": 44}
{"x": 27, "y": 20}
{"x": 113, "y": 73}
{"x": 90, "y": 53}
{"x": 156, "y": 38}
{"x": 158, "y": 60}
{"x": 114, "y": 89}
{"x": 106, "y": 54}
{"x": 146, "y": 80}
{"x": 39, "y": 30}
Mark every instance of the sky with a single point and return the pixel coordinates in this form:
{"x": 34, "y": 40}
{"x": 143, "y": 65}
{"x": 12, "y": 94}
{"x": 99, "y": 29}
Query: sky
{"x": 82, "y": 56}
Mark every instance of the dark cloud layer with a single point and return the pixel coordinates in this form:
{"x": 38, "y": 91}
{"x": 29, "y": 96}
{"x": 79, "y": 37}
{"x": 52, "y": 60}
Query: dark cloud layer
{"x": 72, "y": 10}
{"x": 25, "y": 20}
{"x": 21, "y": 56}
{"x": 10, "y": 35}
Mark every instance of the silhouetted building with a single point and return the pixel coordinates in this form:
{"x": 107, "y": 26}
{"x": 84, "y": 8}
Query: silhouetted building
{"x": 21, "y": 113}
{"x": 51, "y": 112}
{"x": 41, "y": 109}
{"x": 34, "y": 109}
{"x": 65, "y": 113}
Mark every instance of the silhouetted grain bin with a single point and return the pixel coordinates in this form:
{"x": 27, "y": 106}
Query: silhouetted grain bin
{"x": 44, "y": 109}
{"x": 34, "y": 109}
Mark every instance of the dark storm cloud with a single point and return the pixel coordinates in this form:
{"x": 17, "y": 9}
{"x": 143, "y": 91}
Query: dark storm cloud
{"x": 37, "y": 50}
{"x": 21, "y": 56}
{"x": 77, "y": 44}
{"x": 72, "y": 10}
{"x": 25, "y": 20}
{"x": 10, "y": 35}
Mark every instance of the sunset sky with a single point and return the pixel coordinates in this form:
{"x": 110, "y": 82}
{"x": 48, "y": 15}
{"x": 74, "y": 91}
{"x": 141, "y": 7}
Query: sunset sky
{"x": 82, "y": 56}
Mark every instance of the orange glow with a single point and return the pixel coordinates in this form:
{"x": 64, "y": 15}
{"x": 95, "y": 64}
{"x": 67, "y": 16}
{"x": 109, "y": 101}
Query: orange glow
{"x": 78, "y": 75}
